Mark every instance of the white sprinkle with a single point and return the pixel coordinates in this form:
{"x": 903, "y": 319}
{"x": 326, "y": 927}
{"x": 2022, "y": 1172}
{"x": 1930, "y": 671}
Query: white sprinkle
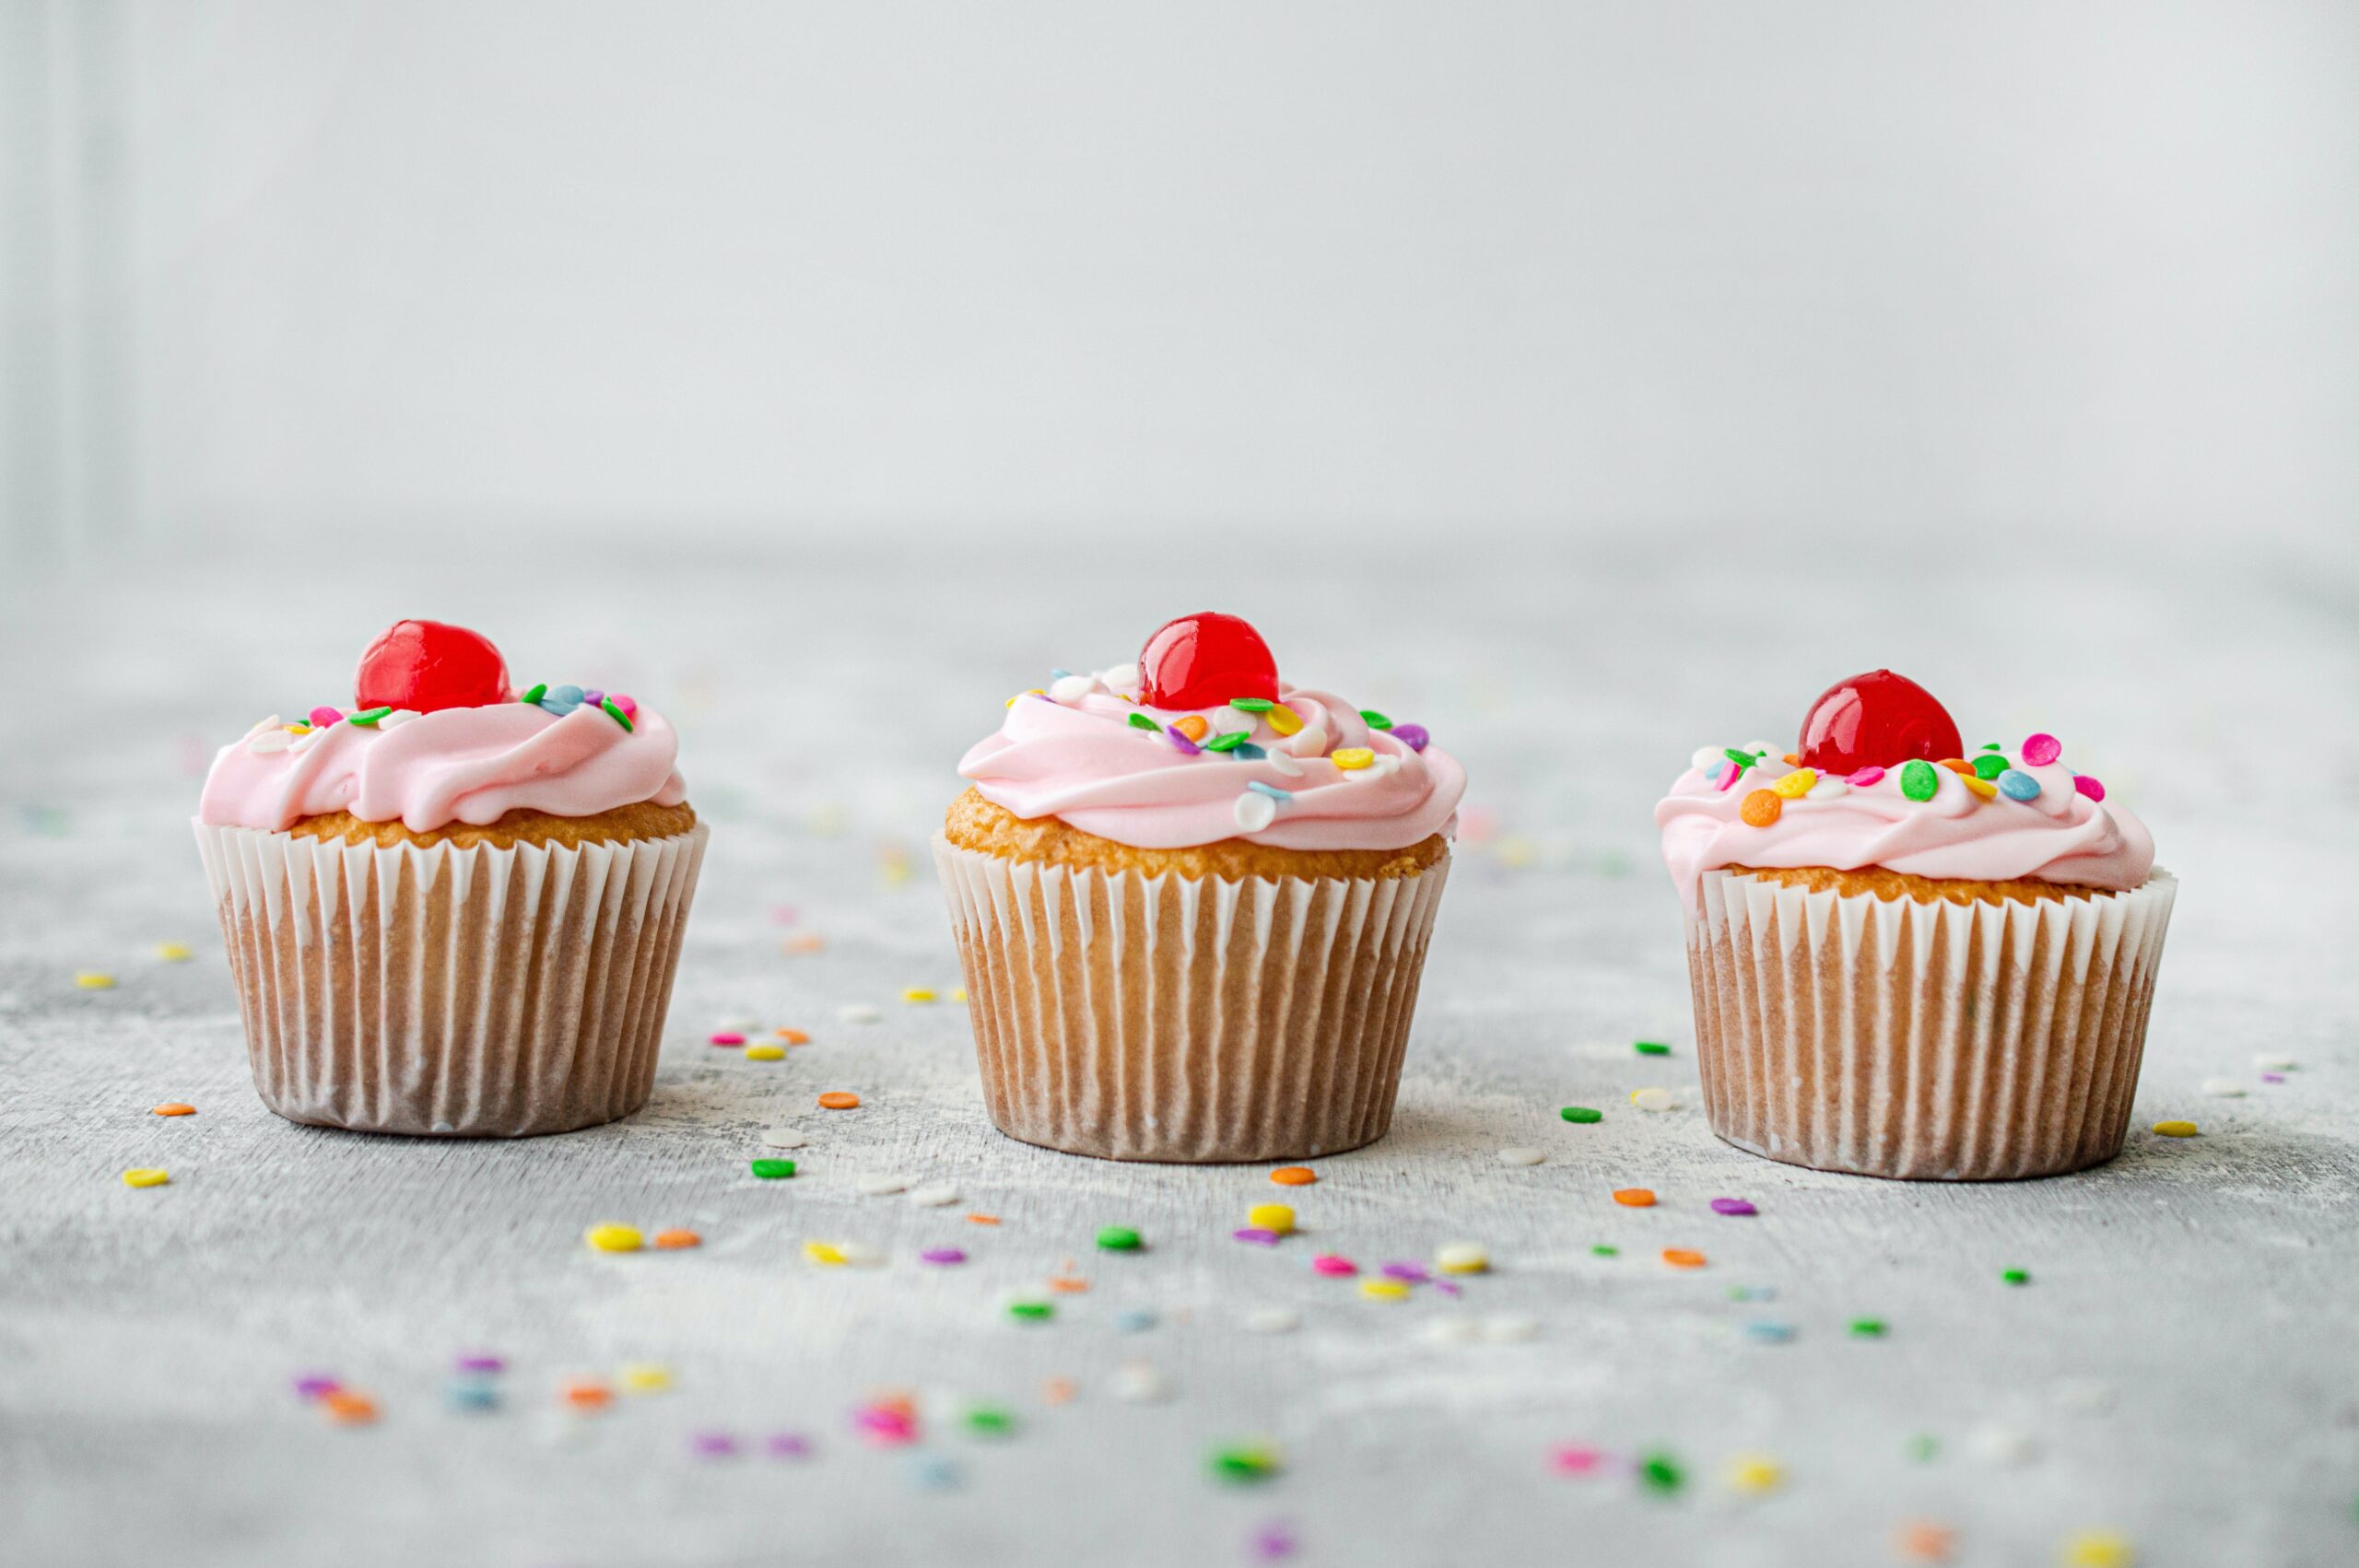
{"x": 1510, "y": 1327}
{"x": 1828, "y": 787}
{"x": 269, "y": 742}
{"x": 738, "y": 1023}
{"x": 1070, "y": 689}
{"x": 1654, "y": 1099}
{"x": 857, "y": 1012}
{"x": 1461, "y": 1257}
{"x": 1520, "y": 1157}
{"x": 881, "y": 1186}
{"x": 783, "y": 1138}
{"x": 939, "y": 1196}
{"x": 1308, "y": 741}
{"x": 1283, "y": 765}
{"x": 2269, "y": 1061}
{"x": 1140, "y": 1383}
{"x": 859, "y": 1254}
{"x": 1121, "y": 678}
{"x": 1706, "y": 755}
{"x": 1255, "y": 811}
{"x": 273, "y": 722}
{"x": 1273, "y": 1321}
{"x": 1996, "y": 1445}
{"x": 1453, "y": 1331}
{"x": 397, "y": 718}
{"x": 1384, "y": 766}
{"x": 2226, "y": 1088}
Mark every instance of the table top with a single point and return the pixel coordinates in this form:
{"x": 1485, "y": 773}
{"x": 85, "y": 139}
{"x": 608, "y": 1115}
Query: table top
{"x": 2175, "y": 1372}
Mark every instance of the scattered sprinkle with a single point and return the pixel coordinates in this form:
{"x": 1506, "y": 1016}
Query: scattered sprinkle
{"x": 1523, "y": 1156}
{"x": 1384, "y": 1290}
{"x": 1462, "y": 1258}
{"x": 765, "y": 1053}
{"x": 1275, "y": 1218}
{"x": 1581, "y": 1114}
{"x": 1683, "y": 1258}
{"x": 838, "y": 1100}
{"x": 1650, "y": 1048}
{"x": 1868, "y": 1327}
{"x": 1734, "y": 1206}
{"x": 173, "y": 1107}
{"x": 2224, "y": 1088}
{"x": 1654, "y": 1099}
{"x": 346, "y": 1407}
{"x": 677, "y": 1240}
{"x": 773, "y": 1170}
{"x": 1273, "y": 1321}
{"x": 1333, "y": 1265}
{"x": 783, "y": 1138}
{"x": 1761, "y": 808}
{"x": 2016, "y": 1276}
{"x": 1921, "y": 1540}
{"x": 1031, "y": 1311}
{"x": 612, "y": 1238}
{"x": 645, "y": 1377}
{"x": 93, "y": 980}
{"x": 1661, "y": 1472}
{"x": 1119, "y": 1238}
{"x": 1245, "y": 1462}
{"x": 1255, "y": 1236}
{"x": 880, "y": 1185}
{"x": 857, "y": 1012}
{"x": 2175, "y": 1128}
{"x": 173, "y": 951}
{"x": 943, "y": 1255}
{"x": 1351, "y": 759}
{"x": 1294, "y": 1176}
{"x": 940, "y": 1195}
{"x": 1755, "y": 1472}
{"x": 1634, "y": 1198}
{"x": 1768, "y": 1332}
{"x": 917, "y": 995}
{"x": 728, "y": 1038}
{"x": 146, "y": 1175}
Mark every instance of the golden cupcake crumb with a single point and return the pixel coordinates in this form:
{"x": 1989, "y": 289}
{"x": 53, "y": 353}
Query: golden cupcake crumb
{"x": 974, "y": 823}
{"x": 622, "y": 826}
{"x": 1890, "y": 884}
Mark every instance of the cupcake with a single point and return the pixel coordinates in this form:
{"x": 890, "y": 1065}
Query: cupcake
{"x": 1908, "y": 961}
{"x": 451, "y": 910}
{"x": 1192, "y": 902}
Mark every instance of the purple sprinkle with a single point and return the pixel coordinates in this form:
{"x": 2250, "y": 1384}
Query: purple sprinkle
{"x": 1732, "y": 1206}
{"x": 1257, "y": 1235}
{"x": 788, "y": 1446}
{"x": 1180, "y": 743}
{"x": 2272, "y": 1078}
{"x": 315, "y": 1384}
{"x": 1412, "y": 736}
{"x": 1407, "y": 1273}
{"x": 593, "y": 697}
{"x": 1447, "y": 1288}
{"x": 713, "y": 1445}
{"x": 943, "y": 1255}
{"x": 1273, "y": 1542}
{"x": 481, "y": 1364}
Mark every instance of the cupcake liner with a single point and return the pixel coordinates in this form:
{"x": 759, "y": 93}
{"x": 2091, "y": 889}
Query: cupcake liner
{"x": 459, "y": 992}
{"x": 1137, "y": 1017}
{"x": 1928, "y": 1041}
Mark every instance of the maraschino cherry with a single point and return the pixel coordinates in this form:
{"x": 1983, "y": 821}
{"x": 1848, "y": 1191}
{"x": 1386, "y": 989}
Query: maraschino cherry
{"x": 1203, "y": 660}
{"x": 1878, "y": 720}
{"x": 426, "y": 666}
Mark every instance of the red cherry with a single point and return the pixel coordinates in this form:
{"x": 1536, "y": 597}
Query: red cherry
{"x": 1878, "y": 720}
{"x": 1203, "y": 661}
{"x": 426, "y": 666}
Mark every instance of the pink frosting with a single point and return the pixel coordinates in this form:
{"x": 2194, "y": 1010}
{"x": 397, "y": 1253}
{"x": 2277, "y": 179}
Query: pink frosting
{"x": 2060, "y": 836}
{"x": 463, "y": 765}
{"x": 1076, "y": 757}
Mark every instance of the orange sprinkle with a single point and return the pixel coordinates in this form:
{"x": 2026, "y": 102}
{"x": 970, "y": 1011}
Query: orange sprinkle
{"x": 1065, "y": 1284}
{"x": 1793, "y": 760}
{"x": 673, "y": 1239}
{"x": 1957, "y": 765}
{"x": 1683, "y": 1258}
{"x": 838, "y": 1100}
{"x": 982, "y": 1219}
{"x": 1634, "y": 1198}
{"x": 1057, "y": 1391}
{"x": 805, "y": 941}
{"x": 1192, "y": 725}
{"x": 1761, "y": 808}
{"x": 1923, "y": 1541}
{"x": 588, "y": 1396}
{"x": 1294, "y": 1176}
{"x": 352, "y": 1410}
{"x": 173, "y": 1107}
{"x": 794, "y": 1036}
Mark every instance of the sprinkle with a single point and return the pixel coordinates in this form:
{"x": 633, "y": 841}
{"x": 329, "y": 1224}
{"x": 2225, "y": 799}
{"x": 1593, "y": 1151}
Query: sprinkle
{"x": 1294, "y": 1176}
{"x": 942, "y": 1255}
{"x": 1958, "y": 766}
{"x": 1407, "y": 1273}
{"x": 94, "y": 980}
{"x": 773, "y": 1170}
{"x": 1661, "y": 1472}
{"x": 1523, "y": 1156}
{"x": 473, "y": 1394}
{"x": 1273, "y": 1321}
{"x": 1140, "y": 1383}
{"x": 2098, "y": 1548}
{"x": 585, "y": 1395}
{"x": 1192, "y": 725}
{"x": 1180, "y": 743}
{"x": 940, "y": 1195}
{"x": 172, "y": 1107}
{"x": 1248, "y": 751}
{"x": 1650, "y": 1048}
{"x": 838, "y": 1100}
{"x": 1140, "y": 722}
{"x": 173, "y": 951}
{"x": 1865, "y": 777}
{"x": 1652, "y": 1099}
{"x": 787, "y": 1446}
{"x": 1227, "y": 742}
{"x": 1251, "y": 704}
{"x": 1634, "y": 1198}
{"x": 1576, "y": 1459}
{"x": 1683, "y": 1258}
{"x": 794, "y": 1036}
{"x": 645, "y": 1377}
{"x": 858, "y": 1013}
{"x": 146, "y": 1175}
{"x": 1868, "y": 1327}
{"x": 1333, "y": 1266}
{"x": 2042, "y": 749}
{"x": 826, "y": 1253}
{"x": 612, "y": 1238}
{"x": 990, "y": 1421}
{"x": 532, "y": 697}
{"x": 1031, "y": 1311}
{"x": 1283, "y": 765}
{"x": 1919, "y": 781}
{"x": 765, "y": 1053}
{"x": 2016, "y": 1276}
{"x": 1760, "y": 808}
{"x": 369, "y": 719}
{"x": 1921, "y": 1540}
{"x": 1245, "y": 1462}
{"x": 1119, "y": 1238}
{"x": 1134, "y": 1321}
{"x": 1462, "y": 1258}
{"x": 324, "y": 715}
{"x": 1270, "y": 789}
{"x": 879, "y": 1185}
{"x": 1582, "y": 1114}
{"x": 1274, "y": 1217}
{"x": 348, "y": 1409}
{"x": 1795, "y": 784}
{"x": 2017, "y": 785}
{"x": 1256, "y": 1235}
{"x": 1605, "y": 1249}
{"x": 2223, "y": 1088}
{"x": 1732, "y": 1207}
{"x": 1384, "y": 1290}
{"x": 1988, "y": 767}
{"x": 1982, "y": 789}
{"x": 728, "y": 1038}
{"x": 1766, "y": 1332}
{"x": 269, "y": 744}
{"x": 713, "y": 1445}
{"x": 982, "y": 1219}
{"x": 1255, "y": 812}
{"x": 1282, "y": 719}
{"x": 917, "y": 995}
{"x": 2175, "y": 1128}
{"x": 2270, "y": 1061}
{"x": 1351, "y": 759}
{"x": 1755, "y": 1472}
{"x": 677, "y": 1241}
{"x": 1412, "y": 736}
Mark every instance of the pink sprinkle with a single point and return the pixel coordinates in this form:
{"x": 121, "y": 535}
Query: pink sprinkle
{"x": 325, "y": 716}
{"x": 1864, "y": 778}
{"x": 727, "y": 1038}
{"x": 631, "y": 708}
{"x": 943, "y": 1255}
{"x": 1576, "y": 1459}
{"x": 1257, "y": 1235}
{"x": 1728, "y": 780}
{"x": 2088, "y": 786}
{"x": 2041, "y": 750}
{"x": 1329, "y": 1263}
{"x": 1732, "y": 1206}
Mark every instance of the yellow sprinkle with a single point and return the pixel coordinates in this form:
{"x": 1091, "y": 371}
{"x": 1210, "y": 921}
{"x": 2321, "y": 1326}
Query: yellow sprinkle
{"x": 146, "y": 1175}
{"x": 2175, "y": 1129}
{"x": 823, "y": 1252}
{"x": 917, "y": 994}
{"x": 612, "y": 1238}
{"x": 765, "y": 1053}
{"x": 1982, "y": 787}
{"x": 1351, "y": 759}
{"x": 1019, "y": 696}
{"x": 1755, "y": 1472}
{"x": 173, "y": 951}
{"x": 645, "y": 1377}
{"x": 2098, "y": 1548}
{"x": 1384, "y": 1290}
{"x": 299, "y": 727}
{"x": 958, "y": 994}
{"x": 1461, "y": 1257}
{"x": 92, "y": 980}
{"x": 1284, "y": 719}
{"x": 1270, "y": 1217}
{"x": 1795, "y": 784}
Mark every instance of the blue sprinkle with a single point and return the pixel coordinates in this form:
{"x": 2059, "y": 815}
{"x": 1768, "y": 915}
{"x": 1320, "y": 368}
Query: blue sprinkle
{"x": 572, "y": 694}
{"x": 1137, "y": 1320}
{"x": 551, "y": 704}
{"x": 1245, "y": 751}
{"x": 1769, "y": 1333}
{"x": 1270, "y": 789}
{"x": 2017, "y": 785}
{"x": 474, "y": 1394}
{"x": 1058, "y": 675}
{"x": 931, "y": 1472}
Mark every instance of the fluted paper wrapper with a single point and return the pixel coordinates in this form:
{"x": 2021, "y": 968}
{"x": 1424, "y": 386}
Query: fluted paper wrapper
{"x": 1931, "y": 1041}
{"x": 1140, "y": 1017}
{"x": 477, "y": 992}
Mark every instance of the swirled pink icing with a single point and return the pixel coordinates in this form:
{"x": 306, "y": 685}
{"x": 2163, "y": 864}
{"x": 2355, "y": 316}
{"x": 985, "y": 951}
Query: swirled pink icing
{"x": 1077, "y": 757}
{"x": 2060, "y": 835}
{"x": 462, "y": 765}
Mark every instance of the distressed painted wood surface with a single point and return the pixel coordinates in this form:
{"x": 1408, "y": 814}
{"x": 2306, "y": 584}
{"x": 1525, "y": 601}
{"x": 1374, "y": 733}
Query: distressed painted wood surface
{"x": 2180, "y": 1367}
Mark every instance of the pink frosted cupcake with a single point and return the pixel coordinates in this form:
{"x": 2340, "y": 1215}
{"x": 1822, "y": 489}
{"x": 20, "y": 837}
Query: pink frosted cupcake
{"x": 1910, "y": 962}
{"x": 1192, "y": 902}
{"x": 451, "y": 910}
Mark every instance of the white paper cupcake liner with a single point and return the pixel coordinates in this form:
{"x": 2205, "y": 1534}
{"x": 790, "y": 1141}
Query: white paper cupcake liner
{"x": 1932, "y": 1041}
{"x": 477, "y": 992}
{"x": 1140, "y": 1017}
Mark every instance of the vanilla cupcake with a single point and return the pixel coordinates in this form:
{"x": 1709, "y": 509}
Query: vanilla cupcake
{"x": 1910, "y": 962}
{"x": 1192, "y": 903}
{"x": 451, "y": 910}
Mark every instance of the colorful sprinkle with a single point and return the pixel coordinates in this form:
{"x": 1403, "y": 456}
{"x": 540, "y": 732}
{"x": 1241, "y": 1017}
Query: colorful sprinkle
{"x": 1650, "y": 1048}
{"x": 1384, "y": 1290}
{"x": 1254, "y": 811}
{"x": 943, "y": 1255}
{"x": 918, "y": 996}
{"x": 541, "y": 688}
{"x": 1251, "y": 704}
{"x": 1245, "y": 1462}
{"x": 1180, "y": 743}
{"x": 1582, "y": 1114}
{"x": 1192, "y": 725}
{"x": 1654, "y": 1099}
{"x": 1462, "y": 1258}
{"x": 324, "y": 715}
{"x": 1732, "y": 1207}
{"x": 1284, "y": 719}
{"x": 1031, "y": 1311}
{"x": 2088, "y": 786}
{"x": 2017, "y": 785}
{"x": 1412, "y": 736}
{"x": 1761, "y": 808}
{"x": 1333, "y": 1266}
{"x": 772, "y": 1170}
{"x": 1981, "y": 789}
{"x": 2016, "y": 1276}
{"x": 1919, "y": 781}
{"x": 1351, "y": 759}
{"x": 146, "y": 1175}
{"x": 765, "y": 1053}
{"x": 1273, "y": 1217}
{"x": 1374, "y": 720}
{"x": 1868, "y": 1327}
{"x": 612, "y": 1238}
{"x": 677, "y": 1240}
{"x": 173, "y": 951}
{"x": 838, "y": 1100}
{"x": 614, "y": 711}
{"x": 1255, "y": 1236}
{"x": 1634, "y": 1198}
{"x": 1294, "y": 1176}
{"x": 1755, "y": 1472}
{"x": 1140, "y": 722}
{"x": 1119, "y": 1238}
{"x": 1281, "y": 796}
{"x": 94, "y": 980}
{"x": 1683, "y": 1258}
{"x": 1865, "y": 777}
{"x": 2175, "y": 1128}
{"x": 2041, "y": 750}
{"x": 172, "y": 1107}
{"x": 1766, "y": 1332}
{"x": 727, "y": 1037}
{"x": 1661, "y": 1472}
{"x": 2098, "y": 1548}
{"x": 1227, "y": 742}
{"x": 369, "y": 719}
{"x": 1795, "y": 784}
{"x": 346, "y": 1407}
{"x": 1989, "y": 766}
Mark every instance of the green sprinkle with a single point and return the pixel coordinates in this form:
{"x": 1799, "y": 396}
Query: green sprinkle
{"x": 1119, "y": 1238}
{"x": 368, "y": 721}
{"x": 1374, "y": 720}
{"x": 616, "y": 714}
{"x": 1650, "y": 1048}
{"x": 1742, "y": 759}
{"x": 1991, "y": 766}
{"x": 1992, "y": 746}
{"x": 1251, "y": 704}
{"x": 1918, "y": 780}
{"x": 773, "y": 1170}
{"x": 1244, "y": 1463}
{"x": 1583, "y": 1114}
{"x": 1140, "y": 722}
{"x": 1604, "y": 1250}
{"x": 1031, "y": 1311}
{"x": 990, "y": 1421}
{"x": 535, "y": 695}
{"x": 2016, "y": 1276}
{"x": 1923, "y": 1447}
{"x": 1867, "y": 1328}
{"x": 1225, "y": 742}
{"x": 1661, "y": 1472}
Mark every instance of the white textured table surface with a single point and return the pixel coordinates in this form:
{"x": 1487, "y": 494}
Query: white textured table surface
{"x": 2180, "y": 1368}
